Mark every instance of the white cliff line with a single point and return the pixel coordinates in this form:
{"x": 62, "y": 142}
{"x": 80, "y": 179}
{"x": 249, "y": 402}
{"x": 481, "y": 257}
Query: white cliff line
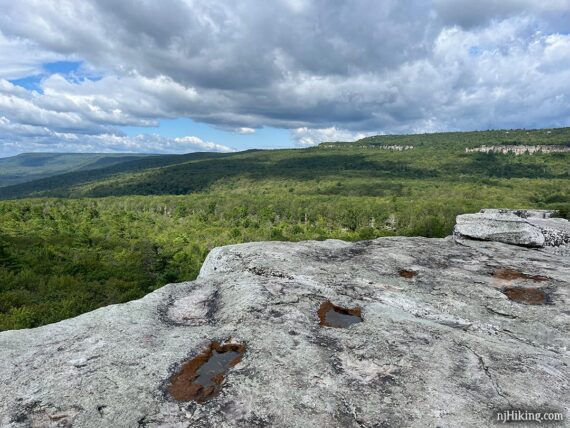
{"x": 520, "y": 150}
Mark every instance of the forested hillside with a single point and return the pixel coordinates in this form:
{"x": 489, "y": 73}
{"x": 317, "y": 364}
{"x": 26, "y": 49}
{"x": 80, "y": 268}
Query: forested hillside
{"x": 160, "y": 216}
{"x": 473, "y": 139}
{"x": 59, "y": 184}
{"x": 439, "y": 156}
{"x": 34, "y": 166}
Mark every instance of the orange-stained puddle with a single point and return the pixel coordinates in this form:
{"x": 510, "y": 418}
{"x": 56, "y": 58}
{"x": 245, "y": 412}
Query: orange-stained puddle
{"x": 337, "y": 316}
{"x": 404, "y": 273}
{"x": 511, "y": 275}
{"x": 201, "y": 377}
{"x": 527, "y": 296}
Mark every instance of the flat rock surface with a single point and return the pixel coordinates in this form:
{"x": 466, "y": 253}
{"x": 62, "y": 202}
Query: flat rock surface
{"x": 527, "y": 228}
{"x": 440, "y": 344}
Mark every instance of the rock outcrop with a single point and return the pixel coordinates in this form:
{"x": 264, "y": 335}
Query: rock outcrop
{"x": 529, "y": 228}
{"x": 449, "y": 332}
{"x": 520, "y": 150}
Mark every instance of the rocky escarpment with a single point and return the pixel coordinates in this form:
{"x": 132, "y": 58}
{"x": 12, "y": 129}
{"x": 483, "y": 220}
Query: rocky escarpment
{"x": 427, "y": 332}
{"x": 520, "y": 150}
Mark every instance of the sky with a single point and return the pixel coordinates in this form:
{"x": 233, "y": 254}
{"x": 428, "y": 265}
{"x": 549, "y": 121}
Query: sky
{"x": 177, "y": 76}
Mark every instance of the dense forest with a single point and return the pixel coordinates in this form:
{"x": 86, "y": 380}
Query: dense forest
{"x": 109, "y": 235}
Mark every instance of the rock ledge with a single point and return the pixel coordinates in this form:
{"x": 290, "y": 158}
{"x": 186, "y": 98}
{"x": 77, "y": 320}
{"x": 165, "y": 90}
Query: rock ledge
{"x": 528, "y": 228}
{"x": 451, "y": 332}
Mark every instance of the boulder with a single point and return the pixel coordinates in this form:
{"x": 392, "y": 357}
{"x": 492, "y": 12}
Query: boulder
{"x": 527, "y": 228}
{"x": 449, "y": 333}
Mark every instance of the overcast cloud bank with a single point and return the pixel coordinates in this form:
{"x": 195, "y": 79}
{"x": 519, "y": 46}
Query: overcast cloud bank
{"x": 323, "y": 70}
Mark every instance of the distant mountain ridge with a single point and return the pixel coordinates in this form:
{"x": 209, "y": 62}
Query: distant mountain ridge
{"x": 34, "y": 166}
{"x": 440, "y": 156}
{"x": 54, "y": 183}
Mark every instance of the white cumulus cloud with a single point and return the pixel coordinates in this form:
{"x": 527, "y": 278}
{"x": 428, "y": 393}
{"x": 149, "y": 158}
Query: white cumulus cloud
{"x": 306, "y": 137}
{"x": 245, "y": 131}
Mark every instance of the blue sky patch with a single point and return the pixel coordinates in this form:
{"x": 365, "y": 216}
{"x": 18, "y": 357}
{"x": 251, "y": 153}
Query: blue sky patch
{"x": 31, "y": 83}
{"x": 475, "y": 51}
{"x": 62, "y": 67}
{"x": 266, "y": 137}
{"x": 70, "y": 70}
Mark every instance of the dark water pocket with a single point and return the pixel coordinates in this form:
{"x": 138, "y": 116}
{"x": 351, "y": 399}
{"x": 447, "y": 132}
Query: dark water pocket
{"x": 336, "y": 316}
{"x": 201, "y": 377}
